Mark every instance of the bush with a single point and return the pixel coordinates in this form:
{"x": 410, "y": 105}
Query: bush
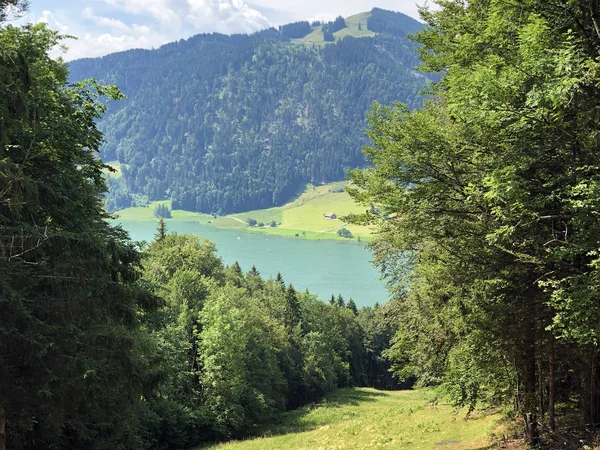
{"x": 344, "y": 232}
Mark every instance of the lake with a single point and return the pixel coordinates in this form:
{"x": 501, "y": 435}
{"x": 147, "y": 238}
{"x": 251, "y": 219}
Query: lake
{"x": 324, "y": 267}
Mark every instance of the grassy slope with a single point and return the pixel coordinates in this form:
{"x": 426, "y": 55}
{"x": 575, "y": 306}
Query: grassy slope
{"x": 302, "y": 217}
{"x": 316, "y": 37}
{"x": 366, "y": 418}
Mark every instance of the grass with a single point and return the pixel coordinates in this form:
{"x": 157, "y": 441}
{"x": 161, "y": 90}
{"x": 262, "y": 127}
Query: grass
{"x": 316, "y": 36}
{"x": 146, "y": 213}
{"x": 362, "y": 418}
{"x": 301, "y": 218}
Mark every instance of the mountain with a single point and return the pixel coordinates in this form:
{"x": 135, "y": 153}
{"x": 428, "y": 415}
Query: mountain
{"x": 225, "y": 124}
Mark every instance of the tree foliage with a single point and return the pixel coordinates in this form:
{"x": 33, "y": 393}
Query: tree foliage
{"x": 69, "y": 300}
{"x": 492, "y": 185}
{"x": 236, "y": 350}
{"x": 106, "y": 347}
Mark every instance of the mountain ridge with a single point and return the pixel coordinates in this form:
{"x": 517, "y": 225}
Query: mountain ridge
{"x": 224, "y": 124}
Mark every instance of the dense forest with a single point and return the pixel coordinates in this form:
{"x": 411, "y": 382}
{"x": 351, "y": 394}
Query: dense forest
{"x": 225, "y": 124}
{"x": 494, "y": 187}
{"x": 491, "y": 188}
{"x": 110, "y": 344}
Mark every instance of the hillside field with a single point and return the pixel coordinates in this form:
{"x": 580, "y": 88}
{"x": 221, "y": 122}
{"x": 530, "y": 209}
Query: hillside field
{"x": 363, "y": 418}
{"x": 301, "y": 218}
{"x": 351, "y": 29}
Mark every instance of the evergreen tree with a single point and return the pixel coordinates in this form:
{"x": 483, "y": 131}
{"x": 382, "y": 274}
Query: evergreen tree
{"x": 352, "y": 307}
{"x": 252, "y": 148}
{"x": 68, "y": 321}
{"x": 161, "y": 230}
{"x": 279, "y": 279}
{"x": 292, "y": 307}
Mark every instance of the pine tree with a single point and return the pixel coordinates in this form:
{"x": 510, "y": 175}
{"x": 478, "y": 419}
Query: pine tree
{"x": 292, "y": 307}
{"x": 68, "y": 321}
{"x": 352, "y": 307}
{"x": 161, "y": 230}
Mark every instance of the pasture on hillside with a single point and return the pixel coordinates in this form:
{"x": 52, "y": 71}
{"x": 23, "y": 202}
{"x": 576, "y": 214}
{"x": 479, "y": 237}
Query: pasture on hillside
{"x": 301, "y": 218}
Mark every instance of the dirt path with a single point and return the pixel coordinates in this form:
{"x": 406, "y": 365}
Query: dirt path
{"x": 326, "y": 230}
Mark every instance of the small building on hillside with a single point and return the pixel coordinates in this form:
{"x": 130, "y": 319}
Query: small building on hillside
{"x": 330, "y": 215}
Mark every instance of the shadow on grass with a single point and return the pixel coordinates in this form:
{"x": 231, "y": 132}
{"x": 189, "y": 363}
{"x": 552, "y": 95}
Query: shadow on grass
{"x": 314, "y": 415}
{"x": 301, "y": 419}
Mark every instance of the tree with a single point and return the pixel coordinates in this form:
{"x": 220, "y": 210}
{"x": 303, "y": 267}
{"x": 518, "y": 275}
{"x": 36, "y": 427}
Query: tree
{"x": 351, "y": 305}
{"x": 161, "y": 230}
{"x": 162, "y": 211}
{"x": 344, "y": 232}
{"x": 496, "y": 182}
{"x": 292, "y": 307}
{"x": 241, "y": 380}
{"x": 70, "y": 375}
{"x": 14, "y": 8}
{"x": 328, "y": 35}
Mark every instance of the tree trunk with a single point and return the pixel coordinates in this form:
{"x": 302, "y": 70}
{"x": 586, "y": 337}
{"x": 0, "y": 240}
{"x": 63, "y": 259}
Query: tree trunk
{"x": 528, "y": 366}
{"x": 551, "y": 384}
{"x": 541, "y": 386}
{"x": 2, "y": 429}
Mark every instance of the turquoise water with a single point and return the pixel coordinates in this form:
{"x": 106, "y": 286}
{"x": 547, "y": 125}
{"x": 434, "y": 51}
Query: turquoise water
{"x": 324, "y": 267}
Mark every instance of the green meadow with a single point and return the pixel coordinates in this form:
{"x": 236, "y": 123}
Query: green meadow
{"x": 362, "y": 418}
{"x": 302, "y": 218}
{"x": 352, "y": 22}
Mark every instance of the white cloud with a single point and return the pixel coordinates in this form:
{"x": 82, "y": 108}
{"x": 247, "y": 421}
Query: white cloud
{"x": 160, "y": 10}
{"x": 226, "y": 16}
{"x": 114, "y": 36}
{"x": 52, "y": 22}
{"x": 114, "y": 24}
{"x": 89, "y": 46}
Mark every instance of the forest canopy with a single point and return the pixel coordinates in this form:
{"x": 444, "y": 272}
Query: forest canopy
{"x": 494, "y": 187}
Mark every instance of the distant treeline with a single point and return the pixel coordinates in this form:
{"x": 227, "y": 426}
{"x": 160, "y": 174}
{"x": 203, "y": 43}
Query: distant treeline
{"x": 295, "y": 30}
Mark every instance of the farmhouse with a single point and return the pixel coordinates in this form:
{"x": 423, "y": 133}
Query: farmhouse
{"x": 330, "y": 215}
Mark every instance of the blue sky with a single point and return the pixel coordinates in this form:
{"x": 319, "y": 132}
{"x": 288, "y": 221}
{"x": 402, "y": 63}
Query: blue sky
{"x": 106, "y": 26}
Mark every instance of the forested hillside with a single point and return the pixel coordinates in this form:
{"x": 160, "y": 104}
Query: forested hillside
{"x": 231, "y": 123}
{"x": 110, "y": 344}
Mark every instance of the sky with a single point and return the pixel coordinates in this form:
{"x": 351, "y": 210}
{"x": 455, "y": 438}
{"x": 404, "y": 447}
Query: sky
{"x": 107, "y": 26}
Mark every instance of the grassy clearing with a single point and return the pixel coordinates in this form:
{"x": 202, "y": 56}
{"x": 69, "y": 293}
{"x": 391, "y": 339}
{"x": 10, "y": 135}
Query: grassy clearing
{"x": 352, "y": 23}
{"x": 316, "y": 36}
{"x": 366, "y": 418}
{"x": 302, "y": 218}
{"x": 146, "y": 213}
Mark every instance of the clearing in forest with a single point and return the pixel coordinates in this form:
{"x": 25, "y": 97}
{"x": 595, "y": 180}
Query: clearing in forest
{"x": 362, "y": 418}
